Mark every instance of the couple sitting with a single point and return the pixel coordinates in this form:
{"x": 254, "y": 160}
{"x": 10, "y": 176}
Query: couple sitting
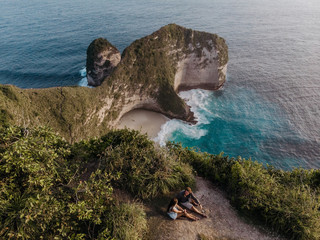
{"x": 188, "y": 200}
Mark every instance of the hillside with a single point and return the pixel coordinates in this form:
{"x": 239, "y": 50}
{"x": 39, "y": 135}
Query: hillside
{"x": 51, "y": 189}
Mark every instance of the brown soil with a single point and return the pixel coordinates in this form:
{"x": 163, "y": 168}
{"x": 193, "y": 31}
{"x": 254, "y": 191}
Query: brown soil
{"x": 223, "y": 222}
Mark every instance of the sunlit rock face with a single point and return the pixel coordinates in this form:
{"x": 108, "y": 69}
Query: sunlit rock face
{"x": 200, "y": 68}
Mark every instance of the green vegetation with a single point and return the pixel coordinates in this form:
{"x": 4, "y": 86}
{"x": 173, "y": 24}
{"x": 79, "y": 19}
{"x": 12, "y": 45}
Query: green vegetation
{"x": 51, "y": 189}
{"x": 132, "y": 155}
{"x": 287, "y": 201}
{"x": 71, "y": 111}
{"x": 128, "y": 221}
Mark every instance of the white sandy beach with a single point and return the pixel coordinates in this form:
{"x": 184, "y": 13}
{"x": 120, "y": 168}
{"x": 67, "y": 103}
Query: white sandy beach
{"x": 143, "y": 120}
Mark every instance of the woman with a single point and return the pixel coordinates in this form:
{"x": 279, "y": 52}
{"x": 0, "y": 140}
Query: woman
{"x": 175, "y": 211}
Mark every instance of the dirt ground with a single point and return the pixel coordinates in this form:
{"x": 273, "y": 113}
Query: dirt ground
{"x": 223, "y": 222}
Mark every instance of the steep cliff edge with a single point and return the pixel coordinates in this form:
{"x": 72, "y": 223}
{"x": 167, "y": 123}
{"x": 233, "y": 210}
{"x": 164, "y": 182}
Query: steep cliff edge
{"x": 149, "y": 76}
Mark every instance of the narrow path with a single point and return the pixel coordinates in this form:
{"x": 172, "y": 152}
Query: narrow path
{"x": 223, "y": 222}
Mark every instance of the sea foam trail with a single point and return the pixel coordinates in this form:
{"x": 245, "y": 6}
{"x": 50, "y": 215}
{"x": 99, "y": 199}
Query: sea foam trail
{"x": 84, "y": 81}
{"x": 196, "y": 99}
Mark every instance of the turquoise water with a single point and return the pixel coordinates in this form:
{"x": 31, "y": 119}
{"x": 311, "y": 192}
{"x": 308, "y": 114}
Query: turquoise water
{"x": 269, "y": 108}
{"x": 238, "y": 122}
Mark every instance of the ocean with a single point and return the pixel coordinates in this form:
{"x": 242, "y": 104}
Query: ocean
{"x": 269, "y": 108}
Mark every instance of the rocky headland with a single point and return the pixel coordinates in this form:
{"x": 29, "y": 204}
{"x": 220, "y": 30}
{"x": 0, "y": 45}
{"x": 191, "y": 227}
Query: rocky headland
{"x": 102, "y": 58}
{"x": 148, "y": 75}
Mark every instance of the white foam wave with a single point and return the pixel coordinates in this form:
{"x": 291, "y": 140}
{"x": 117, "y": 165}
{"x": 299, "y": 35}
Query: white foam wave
{"x": 83, "y": 72}
{"x": 190, "y": 131}
{"x": 199, "y": 101}
{"x": 84, "y": 81}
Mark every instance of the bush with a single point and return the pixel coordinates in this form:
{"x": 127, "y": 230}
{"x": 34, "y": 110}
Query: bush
{"x": 33, "y": 172}
{"x": 145, "y": 170}
{"x": 53, "y": 190}
{"x": 39, "y": 196}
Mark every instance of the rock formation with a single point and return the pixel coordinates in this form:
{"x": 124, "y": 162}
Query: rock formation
{"x": 149, "y": 76}
{"x": 201, "y": 68}
{"x": 155, "y": 68}
{"x": 102, "y": 58}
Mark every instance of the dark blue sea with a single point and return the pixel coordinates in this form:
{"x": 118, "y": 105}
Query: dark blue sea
{"x": 269, "y": 108}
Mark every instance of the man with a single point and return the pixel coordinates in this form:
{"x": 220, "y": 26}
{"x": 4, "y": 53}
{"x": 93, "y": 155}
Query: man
{"x": 188, "y": 200}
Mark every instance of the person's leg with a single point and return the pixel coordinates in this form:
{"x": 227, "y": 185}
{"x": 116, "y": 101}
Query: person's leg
{"x": 180, "y": 215}
{"x": 193, "y": 208}
{"x": 189, "y": 206}
{"x": 190, "y": 216}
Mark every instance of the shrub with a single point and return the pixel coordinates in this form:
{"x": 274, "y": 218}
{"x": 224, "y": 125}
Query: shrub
{"x": 145, "y": 170}
{"x": 33, "y": 172}
{"x": 40, "y": 196}
{"x": 53, "y": 190}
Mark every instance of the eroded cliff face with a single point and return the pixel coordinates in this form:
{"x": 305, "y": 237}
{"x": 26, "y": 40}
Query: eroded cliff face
{"x": 102, "y": 58}
{"x": 202, "y": 70}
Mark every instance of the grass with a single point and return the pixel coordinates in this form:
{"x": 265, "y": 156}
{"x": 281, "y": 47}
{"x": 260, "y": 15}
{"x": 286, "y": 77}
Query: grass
{"x": 129, "y": 221}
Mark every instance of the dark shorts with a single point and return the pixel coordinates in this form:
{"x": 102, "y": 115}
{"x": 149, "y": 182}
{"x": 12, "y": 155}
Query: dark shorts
{"x": 187, "y": 205}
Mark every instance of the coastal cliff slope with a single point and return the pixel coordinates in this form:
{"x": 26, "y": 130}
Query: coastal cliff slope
{"x": 151, "y": 72}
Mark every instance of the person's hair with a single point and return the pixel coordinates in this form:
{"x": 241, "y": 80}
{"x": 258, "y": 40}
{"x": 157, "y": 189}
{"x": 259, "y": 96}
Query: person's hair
{"x": 173, "y": 202}
{"x": 188, "y": 189}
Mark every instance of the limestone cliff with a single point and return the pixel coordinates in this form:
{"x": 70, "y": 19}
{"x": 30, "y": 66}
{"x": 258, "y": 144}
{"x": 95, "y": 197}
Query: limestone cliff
{"x": 102, "y": 58}
{"x": 154, "y": 68}
{"x": 151, "y": 72}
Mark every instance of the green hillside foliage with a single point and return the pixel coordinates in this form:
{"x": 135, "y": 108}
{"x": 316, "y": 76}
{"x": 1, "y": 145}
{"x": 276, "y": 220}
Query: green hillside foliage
{"x": 143, "y": 169}
{"x": 287, "y": 201}
{"x": 70, "y": 111}
{"x": 51, "y": 189}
